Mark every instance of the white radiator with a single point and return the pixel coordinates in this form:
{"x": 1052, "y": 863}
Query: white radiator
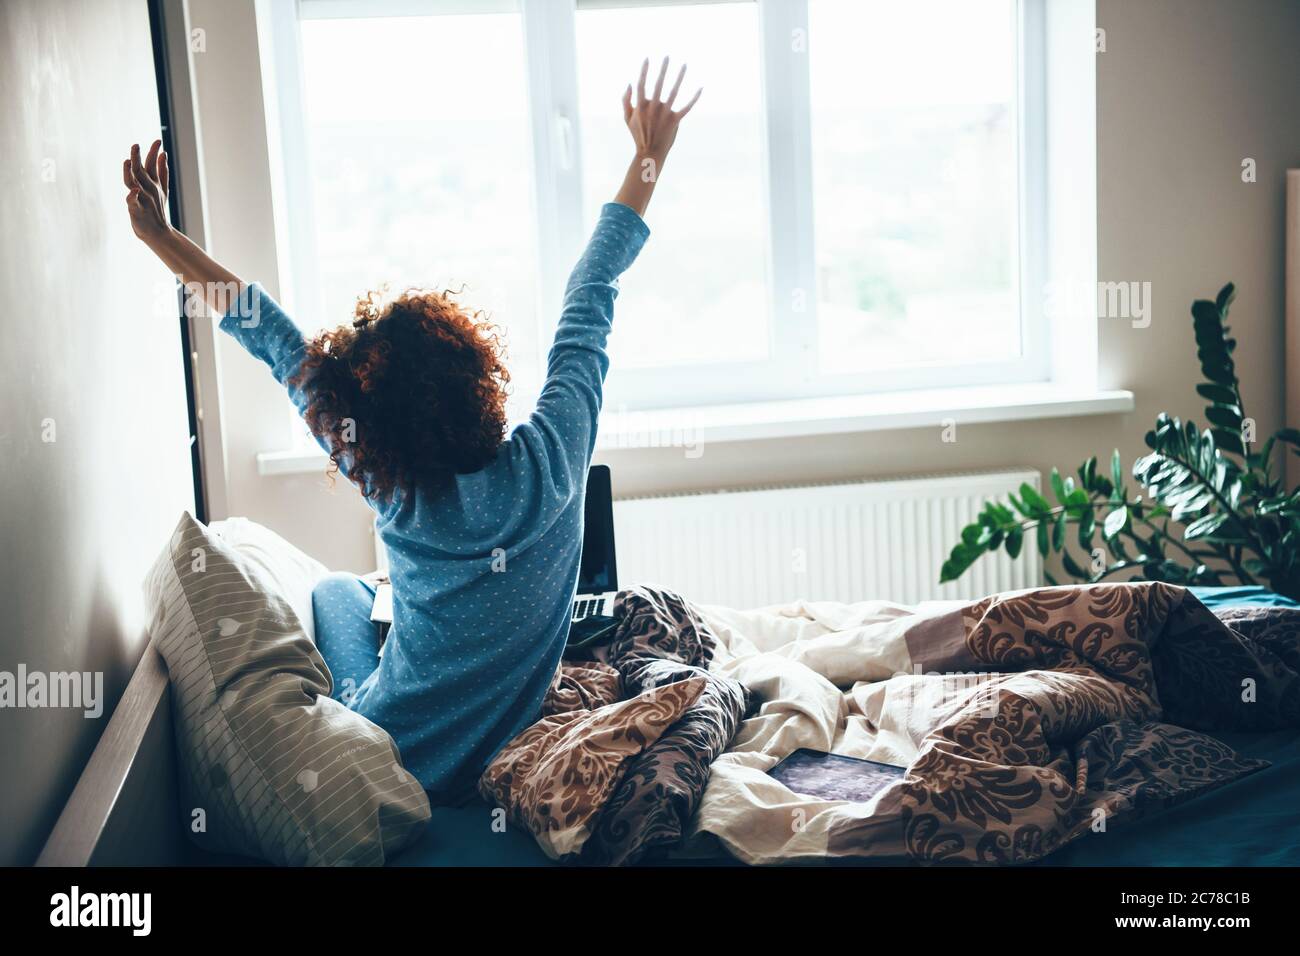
{"x": 840, "y": 542}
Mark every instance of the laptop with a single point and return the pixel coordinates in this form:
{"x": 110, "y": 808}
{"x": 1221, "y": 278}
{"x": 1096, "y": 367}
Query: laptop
{"x": 598, "y": 573}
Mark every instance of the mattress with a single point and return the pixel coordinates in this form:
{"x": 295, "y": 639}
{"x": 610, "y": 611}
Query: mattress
{"x": 1251, "y": 822}
{"x": 464, "y": 836}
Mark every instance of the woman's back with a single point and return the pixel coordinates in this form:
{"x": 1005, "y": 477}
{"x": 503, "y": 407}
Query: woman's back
{"x": 484, "y": 565}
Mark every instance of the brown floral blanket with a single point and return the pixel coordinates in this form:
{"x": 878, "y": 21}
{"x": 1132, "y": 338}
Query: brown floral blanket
{"x": 1024, "y": 720}
{"x": 614, "y": 770}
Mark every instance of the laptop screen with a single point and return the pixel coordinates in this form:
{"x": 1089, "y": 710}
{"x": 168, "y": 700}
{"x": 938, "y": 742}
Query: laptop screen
{"x": 598, "y": 571}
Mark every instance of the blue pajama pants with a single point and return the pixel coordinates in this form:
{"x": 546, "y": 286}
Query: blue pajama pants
{"x": 345, "y": 635}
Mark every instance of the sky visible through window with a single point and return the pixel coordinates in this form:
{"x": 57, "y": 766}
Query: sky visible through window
{"x": 700, "y": 287}
{"x": 914, "y": 182}
{"x": 421, "y": 161}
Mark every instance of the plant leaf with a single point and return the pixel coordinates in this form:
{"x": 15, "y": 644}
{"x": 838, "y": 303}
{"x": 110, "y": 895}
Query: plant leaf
{"x": 1225, "y": 416}
{"x": 1205, "y": 525}
{"x": 1072, "y": 567}
{"x": 1087, "y": 524}
{"x": 1058, "y": 486}
{"x": 1038, "y": 505}
{"x": 1216, "y": 393}
{"x": 1115, "y": 522}
{"x": 1225, "y": 297}
{"x": 1015, "y": 538}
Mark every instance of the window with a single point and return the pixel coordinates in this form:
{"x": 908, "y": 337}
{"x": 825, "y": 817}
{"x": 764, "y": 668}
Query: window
{"x": 416, "y": 131}
{"x": 701, "y": 286}
{"x": 856, "y": 205}
{"x": 914, "y": 183}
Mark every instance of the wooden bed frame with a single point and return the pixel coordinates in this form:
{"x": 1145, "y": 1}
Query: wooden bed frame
{"x": 125, "y": 808}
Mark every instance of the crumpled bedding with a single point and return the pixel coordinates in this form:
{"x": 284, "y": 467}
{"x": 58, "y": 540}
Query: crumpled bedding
{"x": 615, "y": 768}
{"x": 1024, "y": 720}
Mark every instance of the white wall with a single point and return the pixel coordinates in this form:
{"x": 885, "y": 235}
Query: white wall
{"x": 92, "y": 350}
{"x": 332, "y": 523}
{"x": 1186, "y": 89}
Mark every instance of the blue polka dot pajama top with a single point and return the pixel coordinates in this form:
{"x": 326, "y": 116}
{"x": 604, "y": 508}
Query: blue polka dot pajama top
{"x": 484, "y": 569}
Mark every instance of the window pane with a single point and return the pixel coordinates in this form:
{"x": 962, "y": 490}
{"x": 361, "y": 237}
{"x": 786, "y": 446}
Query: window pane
{"x": 421, "y": 162}
{"x": 914, "y": 181}
{"x": 701, "y": 283}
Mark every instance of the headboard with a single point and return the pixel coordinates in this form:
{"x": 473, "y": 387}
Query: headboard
{"x": 124, "y": 810}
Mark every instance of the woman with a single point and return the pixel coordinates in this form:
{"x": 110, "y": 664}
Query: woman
{"x": 483, "y": 532}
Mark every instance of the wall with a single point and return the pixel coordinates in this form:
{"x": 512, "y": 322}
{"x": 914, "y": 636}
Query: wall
{"x": 92, "y": 360}
{"x": 331, "y": 522}
{"x": 1186, "y": 90}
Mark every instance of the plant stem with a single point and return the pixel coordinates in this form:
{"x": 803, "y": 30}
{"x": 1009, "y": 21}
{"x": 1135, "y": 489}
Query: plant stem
{"x": 1194, "y": 555}
{"x": 1198, "y": 556}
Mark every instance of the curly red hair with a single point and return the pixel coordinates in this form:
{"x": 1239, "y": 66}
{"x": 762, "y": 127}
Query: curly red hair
{"x": 411, "y": 393}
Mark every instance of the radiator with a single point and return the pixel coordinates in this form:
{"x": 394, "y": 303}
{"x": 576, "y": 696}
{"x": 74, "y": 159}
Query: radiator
{"x": 838, "y": 542}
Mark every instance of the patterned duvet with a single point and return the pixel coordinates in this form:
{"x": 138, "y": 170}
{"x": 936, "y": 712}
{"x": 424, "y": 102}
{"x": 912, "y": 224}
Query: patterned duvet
{"x": 1025, "y": 721}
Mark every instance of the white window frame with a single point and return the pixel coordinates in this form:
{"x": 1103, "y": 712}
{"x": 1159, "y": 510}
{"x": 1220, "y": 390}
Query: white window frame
{"x": 562, "y": 222}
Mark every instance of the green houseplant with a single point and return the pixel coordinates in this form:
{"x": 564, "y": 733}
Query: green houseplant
{"x": 1212, "y": 510}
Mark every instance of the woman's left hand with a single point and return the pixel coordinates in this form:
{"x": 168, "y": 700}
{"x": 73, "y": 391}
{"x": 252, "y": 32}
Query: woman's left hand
{"x": 653, "y": 124}
{"x": 651, "y": 120}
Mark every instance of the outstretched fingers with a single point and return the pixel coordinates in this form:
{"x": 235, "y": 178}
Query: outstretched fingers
{"x": 672, "y": 94}
{"x": 151, "y": 161}
{"x": 137, "y": 168}
{"x": 687, "y": 108}
{"x": 640, "y": 83}
{"x": 659, "y": 81}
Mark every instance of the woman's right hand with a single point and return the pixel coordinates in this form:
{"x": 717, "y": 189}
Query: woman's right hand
{"x": 146, "y": 202}
{"x": 146, "y": 199}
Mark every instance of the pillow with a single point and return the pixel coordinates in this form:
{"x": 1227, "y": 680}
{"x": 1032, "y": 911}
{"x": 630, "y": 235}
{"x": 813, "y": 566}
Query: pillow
{"x": 271, "y": 766}
{"x": 286, "y": 570}
{"x": 555, "y": 777}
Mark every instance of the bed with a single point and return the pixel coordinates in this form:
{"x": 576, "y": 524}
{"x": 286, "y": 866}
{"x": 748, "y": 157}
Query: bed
{"x": 1252, "y": 822}
{"x": 122, "y": 808}
{"x": 1243, "y": 823}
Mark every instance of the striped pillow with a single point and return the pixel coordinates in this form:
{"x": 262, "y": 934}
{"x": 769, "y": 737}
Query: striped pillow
{"x": 271, "y": 766}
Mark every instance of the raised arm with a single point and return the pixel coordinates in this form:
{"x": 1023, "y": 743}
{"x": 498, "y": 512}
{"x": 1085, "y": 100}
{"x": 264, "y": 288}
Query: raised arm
{"x": 246, "y": 311}
{"x": 567, "y": 411}
{"x": 146, "y": 201}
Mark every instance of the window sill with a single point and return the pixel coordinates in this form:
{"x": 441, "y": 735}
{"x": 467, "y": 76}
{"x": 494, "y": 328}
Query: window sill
{"x": 293, "y": 461}
{"x": 679, "y": 427}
